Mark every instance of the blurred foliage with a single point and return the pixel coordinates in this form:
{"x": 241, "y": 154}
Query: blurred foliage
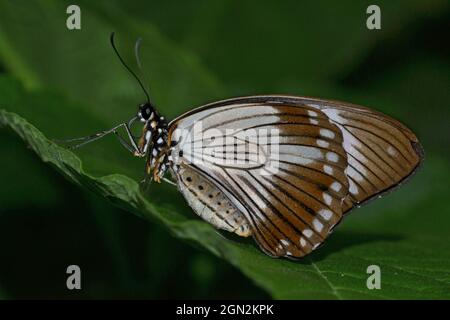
{"x": 196, "y": 52}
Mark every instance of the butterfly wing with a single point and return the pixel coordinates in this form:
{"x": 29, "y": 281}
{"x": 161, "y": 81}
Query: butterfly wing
{"x": 293, "y": 196}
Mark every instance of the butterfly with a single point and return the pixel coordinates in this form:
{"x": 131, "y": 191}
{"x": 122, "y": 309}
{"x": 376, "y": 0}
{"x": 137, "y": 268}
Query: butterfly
{"x": 284, "y": 170}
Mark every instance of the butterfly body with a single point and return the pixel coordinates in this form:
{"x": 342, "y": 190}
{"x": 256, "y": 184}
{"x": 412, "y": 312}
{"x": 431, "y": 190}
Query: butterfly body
{"x": 154, "y": 142}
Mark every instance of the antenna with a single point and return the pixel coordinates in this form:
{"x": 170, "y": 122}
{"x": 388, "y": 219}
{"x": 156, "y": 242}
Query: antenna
{"x": 137, "y": 48}
{"x": 128, "y": 68}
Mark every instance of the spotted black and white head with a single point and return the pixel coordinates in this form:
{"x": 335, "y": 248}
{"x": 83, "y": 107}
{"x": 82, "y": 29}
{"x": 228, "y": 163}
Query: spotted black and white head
{"x": 146, "y": 112}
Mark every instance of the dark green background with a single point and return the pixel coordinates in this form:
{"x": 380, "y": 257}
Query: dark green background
{"x": 196, "y": 52}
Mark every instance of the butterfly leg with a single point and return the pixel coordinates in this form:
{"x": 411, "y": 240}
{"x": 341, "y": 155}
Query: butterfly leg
{"x": 125, "y": 144}
{"x": 169, "y": 181}
{"x": 144, "y": 185}
{"x": 130, "y": 146}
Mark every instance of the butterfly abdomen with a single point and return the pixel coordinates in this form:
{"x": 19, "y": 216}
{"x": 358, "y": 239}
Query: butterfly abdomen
{"x": 210, "y": 203}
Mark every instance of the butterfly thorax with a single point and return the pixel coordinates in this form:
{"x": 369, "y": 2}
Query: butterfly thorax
{"x": 154, "y": 143}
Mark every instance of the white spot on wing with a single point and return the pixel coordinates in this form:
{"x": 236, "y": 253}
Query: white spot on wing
{"x": 322, "y": 143}
{"x": 312, "y": 113}
{"x": 328, "y": 169}
{"x": 317, "y": 225}
{"x": 327, "y": 198}
{"x": 331, "y": 156}
{"x": 391, "y": 151}
{"x": 308, "y": 233}
{"x": 326, "y": 133}
{"x": 336, "y": 186}
{"x": 326, "y": 214}
{"x": 302, "y": 242}
{"x": 284, "y": 242}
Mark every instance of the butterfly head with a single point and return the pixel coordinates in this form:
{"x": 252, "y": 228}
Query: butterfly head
{"x": 146, "y": 112}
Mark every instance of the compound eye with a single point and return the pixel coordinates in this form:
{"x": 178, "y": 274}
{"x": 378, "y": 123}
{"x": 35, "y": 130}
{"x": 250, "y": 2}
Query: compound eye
{"x": 145, "y": 111}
